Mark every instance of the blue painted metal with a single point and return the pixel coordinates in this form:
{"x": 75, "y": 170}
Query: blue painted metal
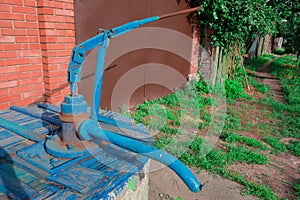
{"x": 41, "y": 115}
{"x": 28, "y": 171}
{"x": 22, "y": 131}
{"x": 74, "y": 105}
{"x": 89, "y": 130}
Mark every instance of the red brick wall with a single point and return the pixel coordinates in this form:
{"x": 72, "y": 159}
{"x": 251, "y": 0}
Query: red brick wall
{"x": 36, "y": 37}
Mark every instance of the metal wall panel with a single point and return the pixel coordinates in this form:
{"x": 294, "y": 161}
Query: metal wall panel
{"x": 131, "y": 58}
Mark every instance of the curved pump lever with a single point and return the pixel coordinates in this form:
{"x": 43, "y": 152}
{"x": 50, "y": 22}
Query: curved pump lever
{"x": 89, "y": 130}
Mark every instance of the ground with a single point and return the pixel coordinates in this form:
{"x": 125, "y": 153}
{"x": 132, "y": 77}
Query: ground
{"x": 257, "y": 154}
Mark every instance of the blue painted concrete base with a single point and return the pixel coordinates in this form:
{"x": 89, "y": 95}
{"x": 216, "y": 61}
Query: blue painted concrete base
{"x": 27, "y": 170}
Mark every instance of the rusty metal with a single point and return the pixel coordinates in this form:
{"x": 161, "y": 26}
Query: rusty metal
{"x": 179, "y": 12}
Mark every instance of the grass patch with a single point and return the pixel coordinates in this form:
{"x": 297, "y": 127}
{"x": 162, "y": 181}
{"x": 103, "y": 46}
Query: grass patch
{"x": 294, "y": 147}
{"x": 277, "y": 146}
{"x": 256, "y": 63}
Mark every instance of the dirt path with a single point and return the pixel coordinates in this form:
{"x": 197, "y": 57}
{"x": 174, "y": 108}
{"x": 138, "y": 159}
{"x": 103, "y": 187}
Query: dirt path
{"x": 264, "y": 76}
{"x": 165, "y": 184}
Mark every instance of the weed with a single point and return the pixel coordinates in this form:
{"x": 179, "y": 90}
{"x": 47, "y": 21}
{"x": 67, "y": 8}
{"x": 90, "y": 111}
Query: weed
{"x": 262, "y": 88}
{"x": 244, "y": 155}
{"x": 234, "y": 89}
{"x": 296, "y": 187}
{"x": 233, "y": 138}
{"x": 176, "y": 198}
{"x": 294, "y": 147}
{"x": 277, "y": 146}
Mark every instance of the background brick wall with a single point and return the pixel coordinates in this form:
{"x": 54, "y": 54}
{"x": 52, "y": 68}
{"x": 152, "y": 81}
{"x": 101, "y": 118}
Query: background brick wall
{"x": 36, "y": 37}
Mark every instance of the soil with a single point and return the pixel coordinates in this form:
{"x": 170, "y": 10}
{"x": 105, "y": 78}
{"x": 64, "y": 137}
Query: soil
{"x": 278, "y": 174}
{"x": 165, "y": 185}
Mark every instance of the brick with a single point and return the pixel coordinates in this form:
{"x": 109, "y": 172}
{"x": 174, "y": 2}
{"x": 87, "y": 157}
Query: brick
{"x": 50, "y": 4}
{"x": 38, "y": 87}
{"x": 8, "y": 47}
{"x": 57, "y": 60}
{"x": 31, "y": 81}
{"x": 65, "y": 40}
{"x": 49, "y": 39}
{"x": 9, "y": 84}
{"x": 5, "y": 8}
{"x": 70, "y": 46}
{"x": 69, "y": 6}
{"x": 18, "y": 90}
{"x": 2, "y": 63}
{"x": 32, "y": 32}
{"x": 69, "y": 19}
{"x": 4, "y": 92}
{"x": 10, "y": 16}
{"x": 23, "y": 102}
{"x": 53, "y": 46}
{"x": 17, "y": 61}
{"x": 39, "y": 99}
{"x": 70, "y": 33}
{"x": 8, "y": 54}
{"x": 51, "y": 80}
{"x": 47, "y": 25}
{"x": 68, "y": 1}
{"x": 49, "y": 53}
{"x": 23, "y": 9}
{"x": 31, "y": 17}
{"x": 5, "y": 23}
{"x": 52, "y": 86}
{"x": 32, "y": 94}
{"x": 51, "y": 18}
{"x": 3, "y": 77}
{"x": 36, "y": 74}
{"x": 64, "y": 53}
{"x": 22, "y": 24}
{"x": 64, "y": 12}
{"x": 31, "y": 53}
{"x": 11, "y": 77}
{"x": 9, "y": 31}
{"x": 64, "y": 26}
{"x": 7, "y": 39}
{"x": 36, "y": 60}
{"x": 30, "y": 3}
{"x": 10, "y": 69}
{"x": 27, "y": 39}
{"x": 45, "y": 11}
{"x": 10, "y": 98}
{"x": 55, "y": 100}
{"x": 34, "y": 46}
{"x": 52, "y": 32}
{"x": 13, "y": 2}
{"x": 4, "y": 106}
{"x": 30, "y": 68}
{"x": 50, "y": 67}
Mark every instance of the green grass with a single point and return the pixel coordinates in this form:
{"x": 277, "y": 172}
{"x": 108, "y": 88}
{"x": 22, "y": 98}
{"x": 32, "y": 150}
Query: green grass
{"x": 256, "y": 63}
{"x": 277, "y": 146}
{"x": 296, "y": 187}
{"x": 294, "y": 147}
{"x": 232, "y": 137}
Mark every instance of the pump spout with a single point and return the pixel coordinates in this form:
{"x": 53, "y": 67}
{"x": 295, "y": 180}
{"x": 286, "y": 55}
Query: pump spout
{"x": 89, "y": 130}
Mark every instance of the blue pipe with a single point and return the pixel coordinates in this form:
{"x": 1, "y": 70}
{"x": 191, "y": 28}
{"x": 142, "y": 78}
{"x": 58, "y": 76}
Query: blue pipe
{"x": 89, "y": 130}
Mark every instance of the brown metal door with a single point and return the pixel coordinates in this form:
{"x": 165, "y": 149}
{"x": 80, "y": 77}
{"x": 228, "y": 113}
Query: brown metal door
{"x": 139, "y": 65}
